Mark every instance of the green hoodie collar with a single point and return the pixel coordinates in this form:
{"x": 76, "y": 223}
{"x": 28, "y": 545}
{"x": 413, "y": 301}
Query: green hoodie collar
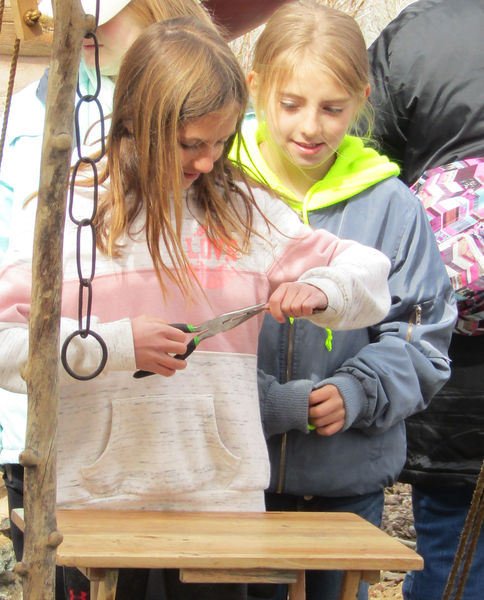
{"x": 355, "y": 169}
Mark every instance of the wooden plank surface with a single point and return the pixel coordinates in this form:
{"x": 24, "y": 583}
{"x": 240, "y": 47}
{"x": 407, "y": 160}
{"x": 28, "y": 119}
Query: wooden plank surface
{"x": 108, "y": 539}
{"x": 39, "y": 46}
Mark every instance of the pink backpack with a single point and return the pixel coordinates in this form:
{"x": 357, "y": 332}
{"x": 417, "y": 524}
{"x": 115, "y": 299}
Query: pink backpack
{"x": 453, "y": 197}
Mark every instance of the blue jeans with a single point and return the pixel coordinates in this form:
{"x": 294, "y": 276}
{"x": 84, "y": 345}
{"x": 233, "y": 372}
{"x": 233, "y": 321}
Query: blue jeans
{"x": 439, "y": 517}
{"x": 326, "y": 585}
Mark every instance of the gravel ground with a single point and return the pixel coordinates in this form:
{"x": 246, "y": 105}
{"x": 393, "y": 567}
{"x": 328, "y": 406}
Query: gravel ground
{"x": 397, "y": 522}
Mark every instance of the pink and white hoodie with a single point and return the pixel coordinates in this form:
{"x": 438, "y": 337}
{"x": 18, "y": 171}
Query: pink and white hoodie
{"x": 193, "y": 441}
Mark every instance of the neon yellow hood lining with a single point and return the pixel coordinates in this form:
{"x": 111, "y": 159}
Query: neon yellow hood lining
{"x": 355, "y": 169}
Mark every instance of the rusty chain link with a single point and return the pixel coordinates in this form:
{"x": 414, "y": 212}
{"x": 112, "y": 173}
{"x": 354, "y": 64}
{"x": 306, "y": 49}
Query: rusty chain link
{"x": 86, "y": 223}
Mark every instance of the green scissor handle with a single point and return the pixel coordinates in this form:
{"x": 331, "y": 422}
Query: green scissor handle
{"x": 187, "y": 328}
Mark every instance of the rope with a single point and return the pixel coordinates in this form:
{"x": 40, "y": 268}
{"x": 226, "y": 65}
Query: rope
{"x": 32, "y": 17}
{"x": 467, "y": 542}
{"x": 11, "y": 80}
{"x": 2, "y": 7}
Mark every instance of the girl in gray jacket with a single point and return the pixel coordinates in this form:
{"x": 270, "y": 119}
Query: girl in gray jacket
{"x": 334, "y": 403}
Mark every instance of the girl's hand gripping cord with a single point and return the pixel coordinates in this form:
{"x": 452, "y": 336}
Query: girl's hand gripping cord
{"x": 296, "y": 299}
{"x": 326, "y": 410}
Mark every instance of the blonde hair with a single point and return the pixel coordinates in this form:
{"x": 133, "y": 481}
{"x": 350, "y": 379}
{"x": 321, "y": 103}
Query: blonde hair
{"x": 148, "y": 12}
{"x": 176, "y": 71}
{"x": 306, "y": 29}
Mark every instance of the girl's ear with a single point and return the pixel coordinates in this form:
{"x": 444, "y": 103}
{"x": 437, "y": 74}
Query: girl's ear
{"x": 253, "y": 82}
{"x": 364, "y": 97}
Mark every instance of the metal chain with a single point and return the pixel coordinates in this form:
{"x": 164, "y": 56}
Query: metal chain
{"x": 86, "y": 223}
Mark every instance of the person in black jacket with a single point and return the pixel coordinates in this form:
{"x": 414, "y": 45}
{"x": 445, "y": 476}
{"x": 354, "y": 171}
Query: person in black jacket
{"x": 427, "y": 92}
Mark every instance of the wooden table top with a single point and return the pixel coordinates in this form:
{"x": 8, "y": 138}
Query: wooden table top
{"x": 204, "y": 540}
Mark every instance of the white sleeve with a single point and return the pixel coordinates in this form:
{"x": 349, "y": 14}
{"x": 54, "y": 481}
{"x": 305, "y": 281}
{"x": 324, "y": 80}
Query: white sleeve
{"x": 83, "y": 355}
{"x": 354, "y": 277}
{"x": 356, "y": 284}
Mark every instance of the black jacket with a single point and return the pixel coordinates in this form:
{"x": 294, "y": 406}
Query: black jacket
{"x": 428, "y": 96}
{"x": 428, "y": 85}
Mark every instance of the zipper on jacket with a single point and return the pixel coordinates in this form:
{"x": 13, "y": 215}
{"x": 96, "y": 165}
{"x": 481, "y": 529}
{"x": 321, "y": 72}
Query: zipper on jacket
{"x": 283, "y": 457}
{"x": 415, "y": 318}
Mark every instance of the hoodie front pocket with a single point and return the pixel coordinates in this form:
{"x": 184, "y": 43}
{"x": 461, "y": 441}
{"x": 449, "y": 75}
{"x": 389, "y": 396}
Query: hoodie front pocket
{"x": 162, "y": 446}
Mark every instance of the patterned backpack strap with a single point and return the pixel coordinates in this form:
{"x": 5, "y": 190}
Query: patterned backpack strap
{"x": 453, "y": 197}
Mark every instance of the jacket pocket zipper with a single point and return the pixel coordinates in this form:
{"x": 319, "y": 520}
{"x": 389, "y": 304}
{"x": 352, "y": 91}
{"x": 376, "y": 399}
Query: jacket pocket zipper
{"x": 283, "y": 457}
{"x": 415, "y": 319}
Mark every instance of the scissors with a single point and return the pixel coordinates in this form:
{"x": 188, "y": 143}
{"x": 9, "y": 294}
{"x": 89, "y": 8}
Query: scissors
{"x": 223, "y": 322}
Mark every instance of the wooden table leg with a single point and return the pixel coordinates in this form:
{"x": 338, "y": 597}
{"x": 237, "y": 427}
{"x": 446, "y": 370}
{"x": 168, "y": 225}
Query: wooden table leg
{"x": 297, "y": 591}
{"x": 350, "y": 585}
{"x": 103, "y": 583}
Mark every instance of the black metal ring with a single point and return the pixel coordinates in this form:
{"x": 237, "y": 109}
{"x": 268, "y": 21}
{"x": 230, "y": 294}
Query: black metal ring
{"x": 83, "y": 333}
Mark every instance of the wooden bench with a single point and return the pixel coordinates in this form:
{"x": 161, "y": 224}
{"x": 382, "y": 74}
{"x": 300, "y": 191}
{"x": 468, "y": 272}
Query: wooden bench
{"x": 227, "y": 547}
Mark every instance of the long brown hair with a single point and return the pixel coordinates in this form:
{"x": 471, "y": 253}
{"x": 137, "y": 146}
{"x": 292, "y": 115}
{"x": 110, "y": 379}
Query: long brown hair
{"x": 176, "y": 71}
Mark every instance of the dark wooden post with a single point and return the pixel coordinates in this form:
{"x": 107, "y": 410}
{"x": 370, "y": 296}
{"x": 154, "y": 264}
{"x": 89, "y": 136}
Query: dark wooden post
{"x": 41, "y": 372}
{"x": 240, "y": 16}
